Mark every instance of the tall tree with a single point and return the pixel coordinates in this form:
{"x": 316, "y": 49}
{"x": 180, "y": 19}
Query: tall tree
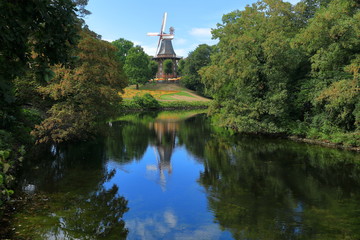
{"x": 83, "y": 95}
{"x": 137, "y": 66}
{"x": 34, "y": 34}
{"x": 254, "y": 65}
{"x": 332, "y": 44}
{"x": 123, "y": 46}
{"x": 168, "y": 66}
{"x": 153, "y": 68}
{"x": 197, "y": 59}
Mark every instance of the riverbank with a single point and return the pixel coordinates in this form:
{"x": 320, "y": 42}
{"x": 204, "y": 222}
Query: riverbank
{"x": 321, "y": 142}
{"x": 324, "y": 143}
{"x": 131, "y": 105}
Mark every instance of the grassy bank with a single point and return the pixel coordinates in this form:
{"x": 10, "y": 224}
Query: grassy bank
{"x": 161, "y": 96}
{"x": 131, "y": 105}
{"x": 164, "y": 92}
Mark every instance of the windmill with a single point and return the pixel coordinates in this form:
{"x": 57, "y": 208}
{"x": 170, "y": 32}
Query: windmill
{"x": 164, "y": 51}
{"x": 162, "y": 35}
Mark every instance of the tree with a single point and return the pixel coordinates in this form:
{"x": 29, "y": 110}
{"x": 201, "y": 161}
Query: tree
{"x": 197, "y": 59}
{"x": 137, "y": 66}
{"x": 168, "y": 67}
{"x": 331, "y": 43}
{"x": 153, "y": 68}
{"x": 181, "y": 66}
{"x": 123, "y": 46}
{"x": 35, "y": 34}
{"x": 253, "y": 67}
{"x": 84, "y": 95}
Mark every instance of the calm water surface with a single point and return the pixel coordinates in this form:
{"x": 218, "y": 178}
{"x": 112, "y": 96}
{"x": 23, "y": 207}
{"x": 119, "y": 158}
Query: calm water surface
{"x": 171, "y": 175}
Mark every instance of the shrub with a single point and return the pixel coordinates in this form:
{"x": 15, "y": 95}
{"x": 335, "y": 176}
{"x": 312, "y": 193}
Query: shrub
{"x": 146, "y": 101}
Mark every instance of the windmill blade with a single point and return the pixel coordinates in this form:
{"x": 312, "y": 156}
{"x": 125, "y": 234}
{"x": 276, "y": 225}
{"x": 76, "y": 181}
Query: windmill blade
{"x": 164, "y": 23}
{"x": 153, "y": 34}
{"x": 168, "y": 37}
{"x": 157, "y": 49}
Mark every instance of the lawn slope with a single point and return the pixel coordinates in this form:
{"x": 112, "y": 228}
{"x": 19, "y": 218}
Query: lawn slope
{"x": 164, "y": 92}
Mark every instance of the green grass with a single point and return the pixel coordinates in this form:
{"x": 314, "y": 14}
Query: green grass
{"x": 130, "y": 105}
{"x": 169, "y": 96}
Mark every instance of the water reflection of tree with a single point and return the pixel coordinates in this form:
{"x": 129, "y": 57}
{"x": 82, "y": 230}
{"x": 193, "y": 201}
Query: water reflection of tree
{"x": 47, "y": 165}
{"x": 128, "y": 141}
{"x": 262, "y": 189}
{"x": 79, "y": 207}
{"x": 194, "y": 134}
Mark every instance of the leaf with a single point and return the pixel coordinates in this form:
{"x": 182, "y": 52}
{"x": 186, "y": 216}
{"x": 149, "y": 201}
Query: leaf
{"x": 6, "y": 167}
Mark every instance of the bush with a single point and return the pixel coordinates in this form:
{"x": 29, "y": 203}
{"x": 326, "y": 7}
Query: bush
{"x": 147, "y": 101}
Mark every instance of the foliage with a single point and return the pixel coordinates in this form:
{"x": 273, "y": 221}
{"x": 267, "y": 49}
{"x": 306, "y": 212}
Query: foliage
{"x": 331, "y": 41}
{"x": 34, "y": 36}
{"x": 146, "y": 101}
{"x": 130, "y": 105}
{"x": 153, "y": 66}
{"x": 189, "y": 67}
{"x": 253, "y": 67}
{"x": 137, "y": 66}
{"x": 181, "y": 66}
{"x": 83, "y": 95}
{"x": 291, "y": 69}
{"x": 168, "y": 66}
{"x": 123, "y": 47}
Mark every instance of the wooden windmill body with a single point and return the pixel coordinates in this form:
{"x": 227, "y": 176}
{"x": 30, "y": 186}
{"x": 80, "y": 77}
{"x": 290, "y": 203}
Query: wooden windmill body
{"x": 165, "y": 51}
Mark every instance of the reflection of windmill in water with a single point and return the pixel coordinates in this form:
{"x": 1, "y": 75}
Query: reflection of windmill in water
{"x": 165, "y": 51}
{"x": 164, "y": 146}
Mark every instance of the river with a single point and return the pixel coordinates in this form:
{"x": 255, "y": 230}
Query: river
{"x": 172, "y": 175}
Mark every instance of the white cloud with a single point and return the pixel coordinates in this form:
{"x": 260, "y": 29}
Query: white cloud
{"x": 182, "y": 52}
{"x": 170, "y": 218}
{"x": 180, "y": 41}
{"x": 136, "y": 43}
{"x": 150, "y": 50}
{"x": 108, "y": 40}
{"x": 201, "y": 32}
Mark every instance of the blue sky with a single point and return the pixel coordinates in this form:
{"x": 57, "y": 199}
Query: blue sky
{"x": 132, "y": 19}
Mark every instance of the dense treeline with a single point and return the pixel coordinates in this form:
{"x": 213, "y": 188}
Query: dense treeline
{"x": 58, "y": 79}
{"x": 280, "y": 68}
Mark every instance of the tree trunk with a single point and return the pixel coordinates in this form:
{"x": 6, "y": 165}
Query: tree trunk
{"x": 137, "y": 86}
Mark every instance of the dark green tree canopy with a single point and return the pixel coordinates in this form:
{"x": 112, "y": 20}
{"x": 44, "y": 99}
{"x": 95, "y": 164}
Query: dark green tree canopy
{"x": 83, "y": 95}
{"x": 123, "y": 46}
{"x": 153, "y": 68}
{"x": 137, "y": 66}
{"x": 197, "y": 59}
{"x": 168, "y": 66}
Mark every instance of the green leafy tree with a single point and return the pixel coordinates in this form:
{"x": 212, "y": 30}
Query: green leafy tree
{"x": 35, "y": 34}
{"x": 123, "y": 46}
{"x": 331, "y": 43}
{"x": 83, "y": 95}
{"x": 197, "y": 59}
{"x": 137, "y": 66}
{"x": 168, "y": 66}
{"x": 153, "y": 68}
{"x": 253, "y": 67}
{"x": 181, "y": 66}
